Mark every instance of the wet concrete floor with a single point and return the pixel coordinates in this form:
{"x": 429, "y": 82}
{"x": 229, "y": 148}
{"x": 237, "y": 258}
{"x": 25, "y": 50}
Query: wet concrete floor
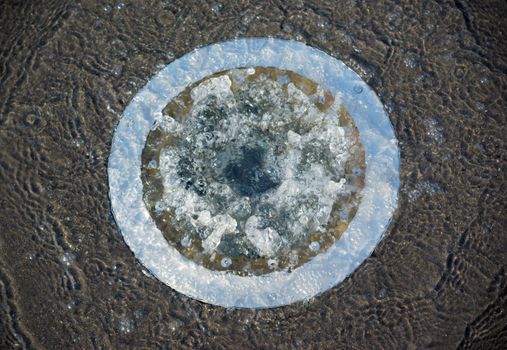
{"x": 438, "y": 279}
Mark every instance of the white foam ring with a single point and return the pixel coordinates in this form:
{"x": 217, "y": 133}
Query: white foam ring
{"x": 379, "y": 197}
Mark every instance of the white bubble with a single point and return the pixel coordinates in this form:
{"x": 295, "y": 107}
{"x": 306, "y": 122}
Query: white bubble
{"x": 424, "y": 188}
{"x": 126, "y": 325}
{"x": 358, "y": 89}
{"x": 411, "y": 62}
{"x": 186, "y": 241}
{"x": 217, "y": 8}
{"x": 314, "y": 246}
{"x": 226, "y": 262}
{"x": 272, "y": 263}
{"x": 67, "y": 259}
{"x": 152, "y": 164}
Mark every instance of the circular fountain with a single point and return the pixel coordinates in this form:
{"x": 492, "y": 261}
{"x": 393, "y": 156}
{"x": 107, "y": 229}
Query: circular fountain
{"x": 259, "y": 166}
{"x": 254, "y": 173}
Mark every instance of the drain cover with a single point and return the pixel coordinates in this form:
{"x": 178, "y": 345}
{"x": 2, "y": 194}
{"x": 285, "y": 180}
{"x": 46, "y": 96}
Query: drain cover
{"x": 253, "y": 173}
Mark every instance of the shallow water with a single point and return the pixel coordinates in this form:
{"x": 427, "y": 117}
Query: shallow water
{"x": 68, "y": 280}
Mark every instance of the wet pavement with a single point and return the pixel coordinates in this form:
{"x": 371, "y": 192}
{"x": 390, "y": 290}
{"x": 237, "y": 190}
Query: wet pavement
{"x": 67, "y": 279}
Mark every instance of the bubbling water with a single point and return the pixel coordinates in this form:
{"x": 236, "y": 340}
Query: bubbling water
{"x": 253, "y": 170}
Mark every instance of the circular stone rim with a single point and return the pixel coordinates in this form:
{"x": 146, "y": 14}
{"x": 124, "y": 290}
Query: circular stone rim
{"x": 322, "y": 272}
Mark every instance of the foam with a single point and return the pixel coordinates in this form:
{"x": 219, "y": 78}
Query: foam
{"x": 303, "y": 192}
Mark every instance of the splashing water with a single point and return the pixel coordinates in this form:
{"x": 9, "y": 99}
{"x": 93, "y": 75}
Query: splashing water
{"x": 254, "y": 163}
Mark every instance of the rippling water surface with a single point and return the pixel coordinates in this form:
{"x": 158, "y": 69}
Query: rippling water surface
{"x": 68, "y": 280}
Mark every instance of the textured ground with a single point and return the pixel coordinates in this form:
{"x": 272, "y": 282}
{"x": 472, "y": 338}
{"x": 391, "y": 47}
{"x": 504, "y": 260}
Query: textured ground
{"x": 68, "y": 281}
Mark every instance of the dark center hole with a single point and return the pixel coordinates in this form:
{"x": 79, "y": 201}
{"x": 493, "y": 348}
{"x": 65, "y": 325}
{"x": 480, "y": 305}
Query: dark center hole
{"x": 247, "y": 174}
